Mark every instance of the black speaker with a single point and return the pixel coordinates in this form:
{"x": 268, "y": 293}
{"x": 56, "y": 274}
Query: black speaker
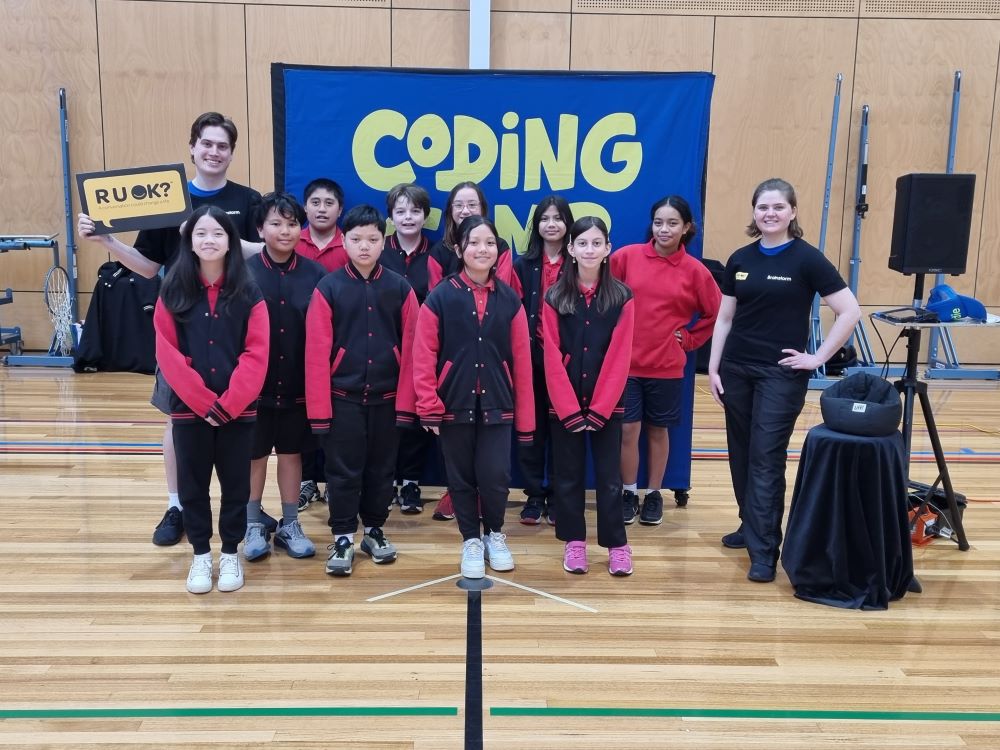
{"x": 932, "y": 222}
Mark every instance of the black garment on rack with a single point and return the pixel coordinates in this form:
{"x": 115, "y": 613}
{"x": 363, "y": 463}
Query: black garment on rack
{"x": 118, "y": 332}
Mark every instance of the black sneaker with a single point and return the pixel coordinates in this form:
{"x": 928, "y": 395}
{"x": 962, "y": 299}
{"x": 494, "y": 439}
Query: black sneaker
{"x": 630, "y": 506}
{"x": 735, "y": 539}
{"x": 409, "y": 499}
{"x": 395, "y": 497}
{"x": 270, "y": 524}
{"x": 308, "y": 493}
{"x": 533, "y": 510}
{"x": 170, "y": 530}
{"x": 652, "y": 509}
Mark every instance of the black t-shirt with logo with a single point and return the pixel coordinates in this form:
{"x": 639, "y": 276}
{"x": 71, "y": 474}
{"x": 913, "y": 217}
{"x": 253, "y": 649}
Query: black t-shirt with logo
{"x": 774, "y": 295}
{"x": 238, "y": 201}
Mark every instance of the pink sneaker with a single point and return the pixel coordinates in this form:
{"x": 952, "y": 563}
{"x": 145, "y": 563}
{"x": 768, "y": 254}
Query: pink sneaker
{"x": 575, "y": 557}
{"x": 620, "y": 561}
{"x": 444, "y": 510}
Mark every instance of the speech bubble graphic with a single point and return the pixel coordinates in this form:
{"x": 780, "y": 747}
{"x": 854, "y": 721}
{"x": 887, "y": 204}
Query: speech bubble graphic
{"x": 139, "y": 198}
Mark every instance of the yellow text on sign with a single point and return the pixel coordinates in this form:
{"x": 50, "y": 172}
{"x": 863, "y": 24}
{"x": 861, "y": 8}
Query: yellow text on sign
{"x": 142, "y": 194}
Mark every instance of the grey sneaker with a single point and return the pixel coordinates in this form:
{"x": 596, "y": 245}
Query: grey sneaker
{"x": 255, "y": 544}
{"x": 308, "y": 493}
{"x": 473, "y": 565}
{"x": 497, "y": 554}
{"x": 341, "y": 559}
{"x": 378, "y": 547}
{"x": 291, "y": 538}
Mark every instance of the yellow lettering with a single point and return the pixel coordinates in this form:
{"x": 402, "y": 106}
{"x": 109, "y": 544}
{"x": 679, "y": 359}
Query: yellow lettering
{"x": 434, "y": 131}
{"x": 628, "y": 152}
{"x": 510, "y": 161}
{"x": 382, "y": 123}
{"x": 585, "y": 208}
{"x": 559, "y": 165}
{"x": 511, "y": 229}
{"x": 469, "y": 132}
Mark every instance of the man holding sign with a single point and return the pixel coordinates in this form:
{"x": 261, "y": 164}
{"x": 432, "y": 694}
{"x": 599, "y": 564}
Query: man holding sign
{"x": 213, "y": 139}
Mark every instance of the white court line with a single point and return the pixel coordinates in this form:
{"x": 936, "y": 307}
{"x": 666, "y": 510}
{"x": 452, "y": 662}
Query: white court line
{"x": 414, "y": 588}
{"x": 425, "y": 584}
{"x": 571, "y": 603}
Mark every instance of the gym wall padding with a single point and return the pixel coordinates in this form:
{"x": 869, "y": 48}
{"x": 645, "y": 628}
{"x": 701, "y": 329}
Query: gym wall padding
{"x": 161, "y": 63}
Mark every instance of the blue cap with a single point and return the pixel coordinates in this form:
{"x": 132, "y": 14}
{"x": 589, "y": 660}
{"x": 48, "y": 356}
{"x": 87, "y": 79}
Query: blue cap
{"x": 950, "y": 305}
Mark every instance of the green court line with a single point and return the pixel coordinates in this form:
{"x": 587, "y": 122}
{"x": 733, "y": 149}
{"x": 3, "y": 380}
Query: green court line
{"x": 751, "y": 713}
{"x": 150, "y": 713}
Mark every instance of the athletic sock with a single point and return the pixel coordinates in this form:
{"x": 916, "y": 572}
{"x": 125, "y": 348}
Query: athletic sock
{"x": 414, "y": 482}
{"x": 290, "y": 512}
{"x": 633, "y": 488}
{"x": 174, "y": 500}
{"x": 253, "y": 511}
{"x": 368, "y": 528}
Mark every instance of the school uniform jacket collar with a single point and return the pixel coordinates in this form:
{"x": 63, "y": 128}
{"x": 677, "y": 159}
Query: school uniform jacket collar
{"x": 674, "y": 259}
{"x": 490, "y": 285}
{"x": 354, "y": 273}
{"x": 271, "y": 264}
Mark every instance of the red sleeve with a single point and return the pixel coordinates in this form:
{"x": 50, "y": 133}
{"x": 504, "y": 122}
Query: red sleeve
{"x": 247, "y": 379}
{"x": 185, "y": 381}
{"x": 618, "y": 269}
{"x": 561, "y": 394}
{"x": 524, "y": 393}
{"x": 319, "y": 345}
{"x": 505, "y": 272}
{"x": 426, "y": 345}
{"x": 406, "y": 399}
{"x": 709, "y": 297}
{"x": 338, "y": 258}
{"x": 614, "y": 369}
{"x": 434, "y": 273}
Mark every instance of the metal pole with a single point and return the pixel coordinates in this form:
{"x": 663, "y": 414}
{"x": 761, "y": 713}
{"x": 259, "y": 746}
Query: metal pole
{"x": 865, "y": 355}
{"x": 819, "y": 377}
{"x": 479, "y": 35}
{"x": 68, "y": 206}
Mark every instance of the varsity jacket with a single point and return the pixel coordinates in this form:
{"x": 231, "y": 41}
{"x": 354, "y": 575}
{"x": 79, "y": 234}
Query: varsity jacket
{"x": 421, "y": 268}
{"x": 529, "y": 274}
{"x": 472, "y": 354}
{"x": 505, "y": 264}
{"x": 216, "y": 359}
{"x": 359, "y": 335}
{"x": 587, "y": 361}
{"x": 287, "y": 290}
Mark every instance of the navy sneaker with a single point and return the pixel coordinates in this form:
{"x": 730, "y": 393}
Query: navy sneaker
{"x": 270, "y": 524}
{"x": 630, "y": 506}
{"x": 533, "y": 510}
{"x": 652, "y": 509}
{"x": 169, "y": 530}
{"x": 409, "y": 499}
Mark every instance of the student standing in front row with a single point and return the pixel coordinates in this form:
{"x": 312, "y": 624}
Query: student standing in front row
{"x": 670, "y": 287}
{"x": 359, "y": 332}
{"x": 212, "y": 348}
{"x": 538, "y": 270}
{"x": 588, "y": 320}
{"x": 472, "y": 374}
{"x": 287, "y": 282}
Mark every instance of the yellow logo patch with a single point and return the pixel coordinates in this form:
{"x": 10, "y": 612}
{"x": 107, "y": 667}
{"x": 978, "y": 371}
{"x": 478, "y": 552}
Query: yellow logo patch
{"x": 741, "y": 275}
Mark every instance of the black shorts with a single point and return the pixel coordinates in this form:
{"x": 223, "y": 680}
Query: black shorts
{"x": 161, "y": 393}
{"x": 655, "y": 401}
{"x": 286, "y": 430}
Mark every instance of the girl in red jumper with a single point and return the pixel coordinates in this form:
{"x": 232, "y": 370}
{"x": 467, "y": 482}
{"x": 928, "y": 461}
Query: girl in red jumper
{"x": 670, "y": 287}
{"x": 472, "y": 376}
{"x": 588, "y": 319}
{"x": 212, "y": 337}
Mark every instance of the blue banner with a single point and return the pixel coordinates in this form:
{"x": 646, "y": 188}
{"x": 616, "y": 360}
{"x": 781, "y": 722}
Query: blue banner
{"x": 610, "y": 143}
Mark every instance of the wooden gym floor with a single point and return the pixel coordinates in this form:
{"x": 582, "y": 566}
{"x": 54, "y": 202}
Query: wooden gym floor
{"x": 102, "y": 646}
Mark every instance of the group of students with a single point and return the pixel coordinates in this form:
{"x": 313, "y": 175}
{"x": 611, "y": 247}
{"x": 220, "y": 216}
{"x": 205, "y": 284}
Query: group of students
{"x": 337, "y": 337}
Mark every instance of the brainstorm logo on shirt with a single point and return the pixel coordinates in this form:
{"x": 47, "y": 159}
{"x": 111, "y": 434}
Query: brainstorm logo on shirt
{"x": 778, "y": 278}
{"x": 742, "y": 275}
{"x": 604, "y": 142}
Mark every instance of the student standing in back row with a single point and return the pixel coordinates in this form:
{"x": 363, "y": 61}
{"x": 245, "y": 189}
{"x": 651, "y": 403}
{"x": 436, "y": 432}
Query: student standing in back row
{"x": 588, "y": 321}
{"x": 472, "y": 374}
{"x": 212, "y": 348}
{"x": 287, "y": 282}
{"x": 359, "y": 335}
{"x": 670, "y": 288}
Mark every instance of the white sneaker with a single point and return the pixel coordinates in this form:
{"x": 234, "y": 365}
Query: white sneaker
{"x": 230, "y": 572}
{"x": 497, "y": 554}
{"x": 472, "y": 559}
{"x": 200, "y": 575}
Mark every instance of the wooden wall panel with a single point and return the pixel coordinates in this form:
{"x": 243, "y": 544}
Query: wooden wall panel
{"x": 905, "y": 73}
{"x": 530, "y": 41}
{"x": 430, "y": 38}
{"x": 771, "y": 116}
{"x": 46, "y": 46}
{"x": 741, "y": 8}
{"x": 653, "y": 43}
{"x": 163, "y": 64}
{"x": 309, "y": 36}
{"x": 987, "y": 267}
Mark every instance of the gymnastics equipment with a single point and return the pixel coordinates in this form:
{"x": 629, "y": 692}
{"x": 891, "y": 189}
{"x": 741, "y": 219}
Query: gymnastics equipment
{"x": 950, "y": 368}
{"x": 819, "y": 380}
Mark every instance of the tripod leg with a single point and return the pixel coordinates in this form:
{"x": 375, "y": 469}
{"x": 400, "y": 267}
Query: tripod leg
{"x": 949, "y": 491}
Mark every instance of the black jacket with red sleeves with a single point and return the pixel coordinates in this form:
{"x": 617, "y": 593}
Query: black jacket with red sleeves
{"x": 359, "y": 336}
{"x": 450, "y": 264}
{"x": 287, "y": 289}
{"x": 462, "y": 364}
{"x": 587, "y": 356}
{"x": 216, "y": 358}
{"x": 422, "y": 268}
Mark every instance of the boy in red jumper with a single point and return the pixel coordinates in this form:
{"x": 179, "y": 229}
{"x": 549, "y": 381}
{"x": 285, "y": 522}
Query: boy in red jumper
{"x": 670, "y": 287}
{"x": 323, "y": 241}
{"x": 359, "y": 332}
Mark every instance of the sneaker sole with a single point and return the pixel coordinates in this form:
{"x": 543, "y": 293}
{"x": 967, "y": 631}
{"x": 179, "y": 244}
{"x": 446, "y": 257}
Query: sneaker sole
{"x": 550, "y": 521}
{"x": 630, "y": 521}
{"x": 340, "y": 572}
{"x": 730, "y": 545}
{"x": 379, "y": 560}
{"x": 477, "y": 573}
{"x": 229, "y": 589}
{"x": 499, "y": 568}
{"x": 657, "y": 522}
{"x": 289, "y": 552}
{"x": 531, "y": 521}
{"x": 576, "y": 571}
{"x": 442, "y": 517}
{"x": 167, "y": 542}
{"x": 258, "y": 558}
{"x": 411, "y": 510}
{"x": 199, "y": 590}
{"x": 620, "y": 573}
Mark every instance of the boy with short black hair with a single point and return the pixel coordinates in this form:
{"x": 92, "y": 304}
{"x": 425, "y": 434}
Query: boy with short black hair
{"x": 323, "y": 241}
{"x": 287, "y": 282}
{"x": 360, "y": 330}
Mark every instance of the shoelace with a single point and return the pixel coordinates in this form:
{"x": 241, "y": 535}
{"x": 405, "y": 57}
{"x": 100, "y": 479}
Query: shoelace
{"x": 498, "y": 540}
{"x": 379, "y": 537}
{"x": 620, "y": 556}
{"x": 339, "y": 550}
{"x": 576, "y": 555}
{"x": 229, "y": 565}
{"x": 201, "y": 567}
{"x": 473, "y": 545}
{"x": 294, "y": 530}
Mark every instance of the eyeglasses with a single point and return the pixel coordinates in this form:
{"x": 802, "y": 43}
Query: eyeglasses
{"x": 471, "y": 205}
